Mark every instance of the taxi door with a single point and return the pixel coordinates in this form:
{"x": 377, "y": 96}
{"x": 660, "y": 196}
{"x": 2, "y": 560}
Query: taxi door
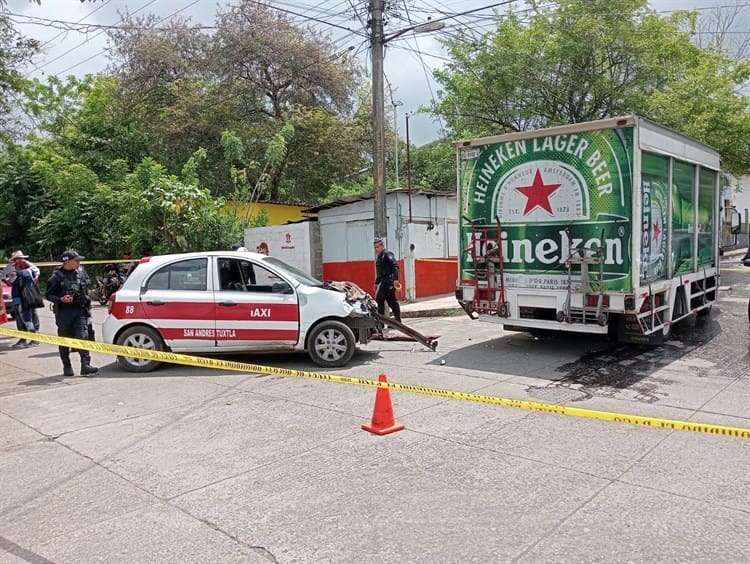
{"x": 177, "y": 301}
{"x": 255, "y": 309}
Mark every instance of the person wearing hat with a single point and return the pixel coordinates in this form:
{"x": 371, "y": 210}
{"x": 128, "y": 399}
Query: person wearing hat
{"x": 25, "y": 319}
{"x": 9, "y": 271}
{"x": 67, "y": 289}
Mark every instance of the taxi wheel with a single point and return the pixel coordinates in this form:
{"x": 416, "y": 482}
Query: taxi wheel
{"x": 331, "y": 344}
{"x": 141, "y": 338}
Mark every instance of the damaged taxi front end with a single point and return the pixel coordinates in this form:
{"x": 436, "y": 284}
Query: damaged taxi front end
{"x": 361, "y": 310}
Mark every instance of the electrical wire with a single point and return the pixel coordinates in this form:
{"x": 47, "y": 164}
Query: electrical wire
{"x": 91, "y": 13}
{"x": 84, "y": 42}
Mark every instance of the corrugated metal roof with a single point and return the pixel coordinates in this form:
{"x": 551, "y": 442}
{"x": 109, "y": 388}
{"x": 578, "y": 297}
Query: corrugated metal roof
{"x": 369, "y": 195}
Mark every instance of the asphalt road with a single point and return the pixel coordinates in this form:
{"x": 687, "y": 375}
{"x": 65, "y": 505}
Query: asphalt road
{"x": 193, "y": 465}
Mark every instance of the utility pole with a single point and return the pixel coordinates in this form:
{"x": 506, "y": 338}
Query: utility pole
{"x": 377, "y": 41}
{"x": 395, "y": 104}
{"x": 378, "y": 119}
{"x": 408, "y": 165}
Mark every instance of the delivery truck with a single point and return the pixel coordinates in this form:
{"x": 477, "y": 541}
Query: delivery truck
{"x": 604, "y": 227}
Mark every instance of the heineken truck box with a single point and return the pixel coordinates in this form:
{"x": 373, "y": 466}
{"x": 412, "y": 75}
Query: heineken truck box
{"x": 608, "y": 226}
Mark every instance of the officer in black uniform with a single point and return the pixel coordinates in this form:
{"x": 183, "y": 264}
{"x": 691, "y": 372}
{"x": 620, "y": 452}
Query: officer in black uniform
{"x": 67, "y": 289}
{"x": 386, "y": 272}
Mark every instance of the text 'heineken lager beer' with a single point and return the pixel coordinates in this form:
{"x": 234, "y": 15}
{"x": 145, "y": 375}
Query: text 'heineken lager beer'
{"x": 555, "y": 197}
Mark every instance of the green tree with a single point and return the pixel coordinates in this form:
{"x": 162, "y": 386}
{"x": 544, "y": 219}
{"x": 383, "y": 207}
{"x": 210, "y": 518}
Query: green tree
{"x": 15, "y": 51}
{"x": 433, "y": 166}
{"x": 254, "y": 75}
{"x": 89, "y": 118}
{"x": 574, "y": 61}
{"x": 580, "y": 60}
{"x": 706, "y": 104}
{"x": 49, "y": 202}
{"x": 164, "y": 213}
{"x": 23, "y": 199}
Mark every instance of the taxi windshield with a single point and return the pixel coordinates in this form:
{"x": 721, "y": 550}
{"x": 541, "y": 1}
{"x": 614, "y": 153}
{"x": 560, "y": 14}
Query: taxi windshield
{"x": 292, "y": 272}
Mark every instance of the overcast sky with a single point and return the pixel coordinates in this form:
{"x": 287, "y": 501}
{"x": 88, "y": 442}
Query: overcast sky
{"x": 408, "y": 63}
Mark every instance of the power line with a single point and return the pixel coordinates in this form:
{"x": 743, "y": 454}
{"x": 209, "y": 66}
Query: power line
{"x": 39, "y": 67}
{"x": 310, "y": 18}
{"x": 101, "y": 52}
{"x": 424, "y": 70}
{"x": 92, "y": 12}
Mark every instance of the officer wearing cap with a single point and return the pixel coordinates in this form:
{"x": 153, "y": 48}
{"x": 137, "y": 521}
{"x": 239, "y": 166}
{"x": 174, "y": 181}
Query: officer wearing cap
{"x": 67, "y": 289}
{"x": 386, "y": 271}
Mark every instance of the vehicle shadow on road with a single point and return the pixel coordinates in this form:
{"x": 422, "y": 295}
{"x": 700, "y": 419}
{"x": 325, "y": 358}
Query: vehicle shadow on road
{"x": 600, "y": 364}
{"x": 43, "y": 381}
{"x": 288, "y": 361}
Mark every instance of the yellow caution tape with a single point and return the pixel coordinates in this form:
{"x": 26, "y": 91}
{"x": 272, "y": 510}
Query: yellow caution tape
{"x": 205, "y": 362}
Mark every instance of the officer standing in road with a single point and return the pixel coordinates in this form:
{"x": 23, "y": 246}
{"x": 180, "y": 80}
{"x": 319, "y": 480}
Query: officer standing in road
{"x": 67, "y": 289}
{"x": 386, "y": 272}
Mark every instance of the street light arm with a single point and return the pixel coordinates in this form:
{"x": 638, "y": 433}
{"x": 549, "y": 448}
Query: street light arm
{"x": 439, "y": 23}
{"x": 418, "y": 28}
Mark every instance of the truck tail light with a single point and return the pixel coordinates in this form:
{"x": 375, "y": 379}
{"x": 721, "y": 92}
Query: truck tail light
{"x": 592, "y": 300}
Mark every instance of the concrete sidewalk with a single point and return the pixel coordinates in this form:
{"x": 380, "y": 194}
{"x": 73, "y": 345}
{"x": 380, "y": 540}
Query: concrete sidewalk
{"x": 433, "y": 306}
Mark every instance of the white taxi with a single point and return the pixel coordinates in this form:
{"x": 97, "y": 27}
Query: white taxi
{"x": 235, "y": 302}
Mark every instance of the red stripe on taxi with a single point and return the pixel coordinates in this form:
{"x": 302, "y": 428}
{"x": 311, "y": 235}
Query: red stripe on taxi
{"x": 200, "y": 334}
{"x": 257, "y": 312}
{"x": 206, "y": 310}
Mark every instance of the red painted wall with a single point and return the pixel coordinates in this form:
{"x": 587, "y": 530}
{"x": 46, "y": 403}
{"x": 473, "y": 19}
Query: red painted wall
{"x": 434, "y": 276}
{"x": 362, "y": 273}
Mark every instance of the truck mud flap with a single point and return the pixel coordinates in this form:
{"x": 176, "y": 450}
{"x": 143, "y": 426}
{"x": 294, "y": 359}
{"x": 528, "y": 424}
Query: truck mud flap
{"x": 429, "y": 341}
{"x": 628, "y": 331}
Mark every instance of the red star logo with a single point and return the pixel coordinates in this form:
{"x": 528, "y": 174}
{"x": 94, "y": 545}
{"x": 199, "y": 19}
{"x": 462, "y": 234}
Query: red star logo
{"x": 538, "y": 194}
{"x": 656, "y": 230}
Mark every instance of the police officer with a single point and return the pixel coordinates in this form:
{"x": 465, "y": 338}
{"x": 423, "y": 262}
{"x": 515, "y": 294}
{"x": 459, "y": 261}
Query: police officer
{"x": 386, "y": 272}
{"x": 67, "y": 289}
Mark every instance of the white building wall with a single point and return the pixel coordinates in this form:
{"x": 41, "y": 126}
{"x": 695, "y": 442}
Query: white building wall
{"x": 347, "y": 230}
{"x": 292, "y": 243}
{"x": 334, "y": 241}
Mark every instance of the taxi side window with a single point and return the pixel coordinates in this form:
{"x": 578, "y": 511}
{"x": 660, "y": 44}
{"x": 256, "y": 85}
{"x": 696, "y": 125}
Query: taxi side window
{"x": 235, "y": 275}
{"x": 189, "y": 274}
{"x": 244, "y": 276}
{"x": 264, "y": 280}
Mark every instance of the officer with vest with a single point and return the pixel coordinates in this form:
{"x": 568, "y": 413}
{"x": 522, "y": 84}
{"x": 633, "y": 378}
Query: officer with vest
{"x": 386, "y": 272}
{"x": 67, "y": 289}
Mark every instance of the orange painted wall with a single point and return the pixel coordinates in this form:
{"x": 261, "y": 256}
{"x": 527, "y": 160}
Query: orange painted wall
{"x": 362, "y": 273}
{"x": 435, "y": 276}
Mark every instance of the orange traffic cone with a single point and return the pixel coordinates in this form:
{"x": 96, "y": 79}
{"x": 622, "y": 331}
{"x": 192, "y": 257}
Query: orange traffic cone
{"x": 382, "y": 414}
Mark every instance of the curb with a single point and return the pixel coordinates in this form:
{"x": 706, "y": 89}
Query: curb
{"x": 734, "y": 252}
{"x": 436, "y": 312}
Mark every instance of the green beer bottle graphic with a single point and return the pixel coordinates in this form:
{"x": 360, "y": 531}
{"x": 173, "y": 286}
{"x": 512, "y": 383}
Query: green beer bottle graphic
{"x": 654, "y": 232}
